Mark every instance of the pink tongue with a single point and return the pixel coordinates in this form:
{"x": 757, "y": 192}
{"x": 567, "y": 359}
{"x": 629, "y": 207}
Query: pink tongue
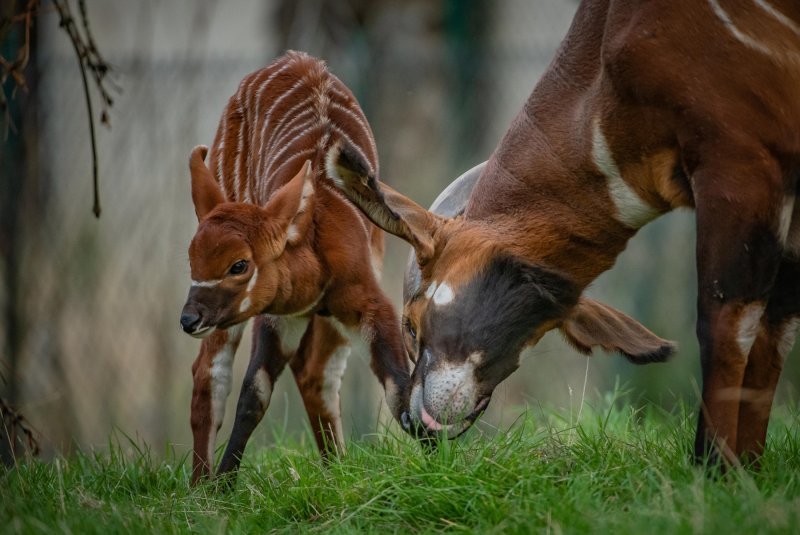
{"x": 429, "y": 422}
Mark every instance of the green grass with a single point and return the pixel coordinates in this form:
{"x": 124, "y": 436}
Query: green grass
{"x": 621, "y": 470}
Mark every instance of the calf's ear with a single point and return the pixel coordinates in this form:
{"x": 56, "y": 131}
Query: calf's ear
{"x": 206, "y": 193}
{"x": 290, "y": 209}
{"x": 592, "y": 324}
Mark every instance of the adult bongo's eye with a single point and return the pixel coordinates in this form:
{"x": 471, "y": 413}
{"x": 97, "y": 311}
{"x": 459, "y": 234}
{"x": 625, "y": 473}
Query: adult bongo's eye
{"x": 411, "y": 330}
{"x": 239, "y": 267}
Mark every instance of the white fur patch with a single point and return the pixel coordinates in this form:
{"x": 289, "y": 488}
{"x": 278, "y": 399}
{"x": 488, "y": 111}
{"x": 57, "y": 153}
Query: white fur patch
{"x": 431, "y": 290}
{"x": 331, "y": 384}
{"x": 292, "y": 234}
{"x": 207, "y": 283}
{"x": 787, "y": 337}
{"x": 632, "y": 211}
{"x": 221, "y": 373}
{"x": 330, "y": 165}
{"x": 443, "y": 295}
{"x": 748, "y": 327}
{"x": 359, "y": 340}
{"x": 253, "y": 279}
{"x": 290, "y": 331}
{"x": 377, "y": 265}
{"x": 263, "y": 388}
{"x": 246, "y": 302}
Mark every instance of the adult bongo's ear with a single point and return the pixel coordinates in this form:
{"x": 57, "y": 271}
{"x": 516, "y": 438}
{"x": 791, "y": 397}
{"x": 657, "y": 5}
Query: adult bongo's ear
{"x": 385, "y": 207}
{"x": 593, "y": 324}
{"x": 206, "y": 193}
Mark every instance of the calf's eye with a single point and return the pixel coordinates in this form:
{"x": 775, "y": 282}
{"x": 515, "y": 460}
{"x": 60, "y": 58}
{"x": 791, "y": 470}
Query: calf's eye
{"x": 239, "y": 267}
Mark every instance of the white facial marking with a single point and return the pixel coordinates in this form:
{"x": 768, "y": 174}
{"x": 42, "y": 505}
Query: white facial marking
{"x": 787, "y": 337}
{"x": 263, "y": 388}
{"x": 748, "y": 327}
{"x": 246, "y": 302}
{"x": 632, "y": 211}
{"x": 221, "y": 373}
{"x": 207, "y": 283}
{"x": 431, "y": 290}
{"x": 202, "y": 331}
{"x": 443, "y": 295}
{"x": 253, "y": 279}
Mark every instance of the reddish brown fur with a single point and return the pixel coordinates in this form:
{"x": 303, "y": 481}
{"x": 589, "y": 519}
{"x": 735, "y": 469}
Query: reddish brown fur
{"x": 696, "y": 103}
{"x": 309, "y": 257}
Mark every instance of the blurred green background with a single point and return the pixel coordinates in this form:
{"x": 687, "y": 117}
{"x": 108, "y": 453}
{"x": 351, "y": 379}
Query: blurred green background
{"x": 89, "y": 334}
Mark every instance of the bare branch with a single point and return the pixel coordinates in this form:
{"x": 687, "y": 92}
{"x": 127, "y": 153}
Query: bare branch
{"x": 90, "y": 63}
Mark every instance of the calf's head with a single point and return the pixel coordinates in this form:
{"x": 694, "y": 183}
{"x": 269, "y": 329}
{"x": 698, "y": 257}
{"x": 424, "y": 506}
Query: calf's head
{"x": 472, "y": 305}
{"x": 238, "y": 254}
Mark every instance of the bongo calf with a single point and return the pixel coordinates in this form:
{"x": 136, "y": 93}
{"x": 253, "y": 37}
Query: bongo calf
{"x": 278, "y": 243}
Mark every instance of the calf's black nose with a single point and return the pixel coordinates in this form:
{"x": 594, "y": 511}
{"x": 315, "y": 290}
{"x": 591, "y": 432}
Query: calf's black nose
{"x": 190, "y": 320}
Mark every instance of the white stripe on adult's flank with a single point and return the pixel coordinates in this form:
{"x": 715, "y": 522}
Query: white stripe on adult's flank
{"x": 742, "y": 37}
{"x": 780, "y": 17}
{"x": 206, "y": 283}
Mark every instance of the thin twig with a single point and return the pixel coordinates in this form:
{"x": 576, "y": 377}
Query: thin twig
{"x": 68, "y": 23}
{"x": 89, "y": 59}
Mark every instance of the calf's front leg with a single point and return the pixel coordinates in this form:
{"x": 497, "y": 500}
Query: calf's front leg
{"x": 267, "y": 361}
{"x": 212, "y": 376}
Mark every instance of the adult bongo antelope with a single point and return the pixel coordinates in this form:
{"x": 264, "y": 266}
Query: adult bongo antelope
{"x": 276, "y": 241}
{"x": 646, "y": 107}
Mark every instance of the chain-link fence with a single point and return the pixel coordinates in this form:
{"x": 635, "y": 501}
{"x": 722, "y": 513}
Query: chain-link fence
{"x": 96, "y": 305}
